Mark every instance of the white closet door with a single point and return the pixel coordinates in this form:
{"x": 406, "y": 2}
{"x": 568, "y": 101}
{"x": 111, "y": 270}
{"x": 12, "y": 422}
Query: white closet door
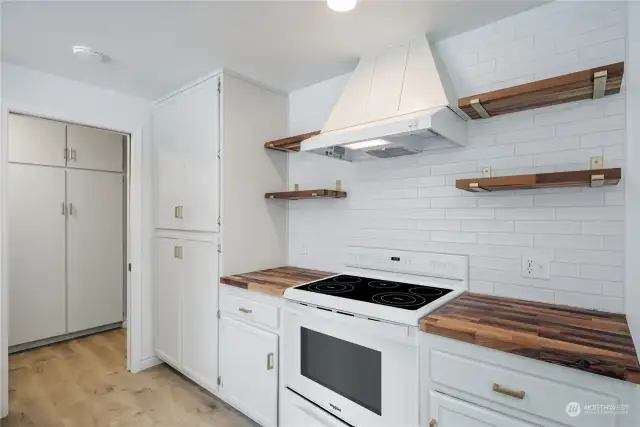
{"x": 168, "y": 303}
{"x": 95, "y": 240}
{"x": 169, "y": 166}
{"x": 186, "y": 131}
{"x": 200, "y": 128}
{"x": 199, "y": 312}
{"x": 37, "y": 297}
{"x": 36, "y": 141}
{"x": 170, "y": 186}
{"x": 96, "y": 149}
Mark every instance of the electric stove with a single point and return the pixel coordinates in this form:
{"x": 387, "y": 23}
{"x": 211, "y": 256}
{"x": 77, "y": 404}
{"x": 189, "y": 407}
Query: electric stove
{"x": 388, "y": 285}
{"x": 405, "y": 296}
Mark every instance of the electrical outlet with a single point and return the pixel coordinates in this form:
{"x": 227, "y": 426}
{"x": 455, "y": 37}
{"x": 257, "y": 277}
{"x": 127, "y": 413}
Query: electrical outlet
{"x": 535, "y": 268}
{"x": 486, "y": 171}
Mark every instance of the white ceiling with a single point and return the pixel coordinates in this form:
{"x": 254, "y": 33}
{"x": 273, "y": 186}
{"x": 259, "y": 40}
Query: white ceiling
{"x": 157, "y": 47}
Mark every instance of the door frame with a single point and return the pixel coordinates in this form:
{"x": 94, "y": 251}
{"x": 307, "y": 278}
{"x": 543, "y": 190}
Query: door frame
{"x": 134, "y": 176}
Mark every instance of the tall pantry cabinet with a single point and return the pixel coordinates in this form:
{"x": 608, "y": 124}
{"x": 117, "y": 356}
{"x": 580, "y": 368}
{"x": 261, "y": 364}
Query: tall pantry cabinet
{"x": 66, "y": 224}
{"x": 211, "y": 173}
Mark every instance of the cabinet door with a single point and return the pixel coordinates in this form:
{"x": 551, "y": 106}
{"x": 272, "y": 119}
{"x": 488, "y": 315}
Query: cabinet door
{"x": 36, "y": 253}
{"x": 169, "y": 280}
{"x": 449, "y": 412}
{"x": 249, "y": 370}
{"x": 95, "y": 252}
{"x": 186, "y": 135}
{"x": 199, "y": 312}
{"x": 169, "y": 165}
{"x": 36, "y": 141}
{"x": 200, "y": 131}
{"x": 96, "y": 149}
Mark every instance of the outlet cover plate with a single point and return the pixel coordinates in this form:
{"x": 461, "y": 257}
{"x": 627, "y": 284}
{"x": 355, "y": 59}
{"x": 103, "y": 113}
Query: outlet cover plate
{"x": 486, "y": 172}
{"x": 535, "y": 267}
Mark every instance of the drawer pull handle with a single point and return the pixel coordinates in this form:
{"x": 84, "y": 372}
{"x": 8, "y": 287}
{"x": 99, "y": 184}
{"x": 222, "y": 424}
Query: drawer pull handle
{"x": 244, "y": 310}
{"x": 269, "y": 361}
{"x": 506, "y": 391}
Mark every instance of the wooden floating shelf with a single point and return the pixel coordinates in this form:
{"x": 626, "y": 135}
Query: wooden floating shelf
{"x": 583, "y": 178}
{"x": 307, "y": 194}
{"x": 593, "y": 83}
{"x": 290, "y": 144}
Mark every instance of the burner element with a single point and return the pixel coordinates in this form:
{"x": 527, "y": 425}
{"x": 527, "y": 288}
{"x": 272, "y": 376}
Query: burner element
{"x": 331, "y": 288}
{"x": 426, "y": 291}
{"x": 383, "y": 285}
{"x": 346, "y": 279}
{"x": 399, "y": 299}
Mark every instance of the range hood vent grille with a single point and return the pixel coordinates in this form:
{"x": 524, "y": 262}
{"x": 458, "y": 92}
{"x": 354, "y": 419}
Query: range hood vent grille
{"x": 397, "y": 151}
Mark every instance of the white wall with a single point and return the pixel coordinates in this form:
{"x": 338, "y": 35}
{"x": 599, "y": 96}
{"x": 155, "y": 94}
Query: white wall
{"x": 46, "y": 95}
{"x": 632, "y": 65}
{"x": 412, "y": 203}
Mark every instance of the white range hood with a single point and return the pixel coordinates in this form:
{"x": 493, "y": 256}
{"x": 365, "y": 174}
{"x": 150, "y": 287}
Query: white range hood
{"x": 396, "y": 103}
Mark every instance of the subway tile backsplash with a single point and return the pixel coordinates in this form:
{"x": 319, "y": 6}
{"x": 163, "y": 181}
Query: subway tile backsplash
{"x": 411, "y": 202}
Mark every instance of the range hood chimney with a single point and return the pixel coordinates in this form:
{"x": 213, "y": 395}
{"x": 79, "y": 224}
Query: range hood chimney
{"x": 396, "y": 103}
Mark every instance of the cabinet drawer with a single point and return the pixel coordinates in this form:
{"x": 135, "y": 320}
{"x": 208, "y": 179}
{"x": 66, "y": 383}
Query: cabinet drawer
{"x": 518, "y": 390}
{"x": 254, "y": 311}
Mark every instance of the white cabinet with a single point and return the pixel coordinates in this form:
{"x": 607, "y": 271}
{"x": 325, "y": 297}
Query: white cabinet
{"x": 249, "y": 370}
{"x": 186, "y": 317}
{"x": 199, "y": 320}
{"x": 66, "y": 229}
{"x": 36, "y": 141}
{"x": 186, "y": 130}
{"x": 168, "y": 314}
{"x": 498, "y": 385}
{"x": 449, "y": 412}
{"x": 95, "y": 149}
{"x": 95, "y": 248}
{"x": 37, "y": 301}
{"x": 47, "y": 142}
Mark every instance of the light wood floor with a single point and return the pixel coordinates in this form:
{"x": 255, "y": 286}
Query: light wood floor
{"x": 83, "y": 383}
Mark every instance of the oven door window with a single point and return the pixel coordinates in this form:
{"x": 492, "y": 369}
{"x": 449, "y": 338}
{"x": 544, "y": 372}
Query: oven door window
{"x": 349, "y": 369}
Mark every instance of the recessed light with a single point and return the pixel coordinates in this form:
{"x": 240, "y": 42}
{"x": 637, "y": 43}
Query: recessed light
{"x": 88, "y": 54}
{"x": 367, "y": 144}
{"x": 342, "y": 5}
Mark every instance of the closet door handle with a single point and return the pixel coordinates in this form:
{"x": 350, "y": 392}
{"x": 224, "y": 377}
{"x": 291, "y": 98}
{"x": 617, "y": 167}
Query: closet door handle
{"x": 73, "y": 154}
{"x": 269, "y": 361}
{"x": 177, "y": 252}
{"x": 65, "y": 153}
{"x": 64, "y": 209}
{"x": 70, "y": 208}
{"x": 177, "y": 212}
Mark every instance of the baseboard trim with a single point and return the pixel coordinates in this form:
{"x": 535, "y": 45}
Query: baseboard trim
{"x": 54, "y": 340}
{"x": 150, "y": 362}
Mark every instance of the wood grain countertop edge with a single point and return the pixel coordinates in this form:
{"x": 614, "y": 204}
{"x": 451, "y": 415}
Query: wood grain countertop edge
{"x": 274, "y": 281}
{"x": 532, "y": 335}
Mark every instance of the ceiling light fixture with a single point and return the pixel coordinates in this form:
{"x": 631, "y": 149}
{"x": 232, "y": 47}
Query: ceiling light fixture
{"x": 367, "y": 144}
{"x": 88, "y": 54}
{"x": 341, "y": 5}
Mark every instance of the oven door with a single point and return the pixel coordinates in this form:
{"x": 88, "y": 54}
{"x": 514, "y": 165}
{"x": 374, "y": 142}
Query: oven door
{"x": 364, "y": 372}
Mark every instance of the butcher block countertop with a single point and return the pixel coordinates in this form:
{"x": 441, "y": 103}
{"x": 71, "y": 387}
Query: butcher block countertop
{"x": 588, "y": 340}
{"x": 274, "y": 281}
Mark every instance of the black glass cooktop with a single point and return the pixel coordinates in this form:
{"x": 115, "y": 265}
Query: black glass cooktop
{"x": 395, "y": 294}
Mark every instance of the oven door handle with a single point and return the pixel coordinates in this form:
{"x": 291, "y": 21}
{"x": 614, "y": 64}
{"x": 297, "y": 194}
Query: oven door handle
{"x": 319, "y": 418}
